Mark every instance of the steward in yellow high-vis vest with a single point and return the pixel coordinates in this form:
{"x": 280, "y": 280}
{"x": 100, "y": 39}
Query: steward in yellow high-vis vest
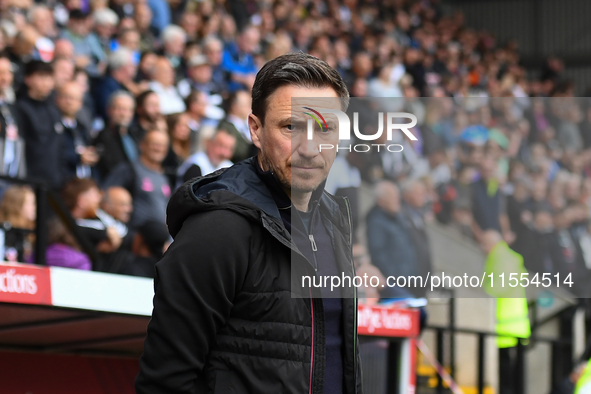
{"x": 584, "y": 383}
{"x": 512, "y": 311}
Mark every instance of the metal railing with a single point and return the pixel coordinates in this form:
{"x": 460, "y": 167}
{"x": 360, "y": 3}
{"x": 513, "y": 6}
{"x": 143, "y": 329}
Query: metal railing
{"x": 561, "y": 349}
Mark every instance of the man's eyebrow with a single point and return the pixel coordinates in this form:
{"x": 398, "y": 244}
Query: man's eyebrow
{"x": 286, "y": 120}
{"x": 331, "y": 124}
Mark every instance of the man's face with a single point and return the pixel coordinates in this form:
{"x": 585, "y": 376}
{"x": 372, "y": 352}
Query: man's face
{"x": 121, "y": 111}
{"x": 119, "y": 204}
{"x": 214, "y": 53}
{"x": 69, "y": 99}
{"x": 155, "y": 146}
{"x": 298, "y": 163}
{"x": 89, "y": 201}
{"x": 40, "y": 85}
{"x": 63, "y": 71}
{"x": 79, "y": 27}
{"x": 163, "y": 72}
{"x": 389, "y": 201}
{"x": 6, "y": 76}
{"x": 220, "y": 148}
{"x": 416, "y": 196}
{"x": 151, "y": 108}
{"x": 201, "y": 74}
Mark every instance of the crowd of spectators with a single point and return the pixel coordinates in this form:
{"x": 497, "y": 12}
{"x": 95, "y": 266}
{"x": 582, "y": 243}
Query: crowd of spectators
{"x": 113, "y": 104}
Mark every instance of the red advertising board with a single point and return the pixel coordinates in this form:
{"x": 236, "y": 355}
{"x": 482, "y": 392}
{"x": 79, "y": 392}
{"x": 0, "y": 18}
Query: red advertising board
{"x": 25, "y": 284}
{"x": 387, "y": 321}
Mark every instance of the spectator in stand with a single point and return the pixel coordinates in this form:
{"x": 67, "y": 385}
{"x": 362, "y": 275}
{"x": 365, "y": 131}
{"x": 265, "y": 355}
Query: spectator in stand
{"x": 415, "y": 201}
{"x": 180, "y": 144}
{"x": 87, "y": 48}
{"x": 117, "y": 142}
{"x": 149, "y": 244}
{"x": 64, "y": 49}
{"x": 200, "y": 77}
{"x": 488, "y": 204}
{"x": 12, "y": 145}
{"x": 62, "y": 248}
{"x": 236, "y": 124}
{"x": 174, "y": 39}
{"x": 197, "y": 106}
{"x": 390, "y": 246}
{"x": 82, "y": 197}
{"x": 238, "y": 59}
{"x": 162, "y": 84}
{"x": 39, "y": 121}
{"x": 143, "y": 20}
{"x": 105, "y": 26}
{"x": 63, "y": 71}
{"x": 118, "y": 204}
{"x": 145, "y": 179}
{"x": 130, "y": 39}
{"x": 213, "y": 48}
{"x": 18, "y": 212}
{"x": 148, "y": 114}
{"x": 217, "y": 154}
{"x": 77, "y": 156}
{"x": 119, "y": 77}
{"x": 41, "y": 17}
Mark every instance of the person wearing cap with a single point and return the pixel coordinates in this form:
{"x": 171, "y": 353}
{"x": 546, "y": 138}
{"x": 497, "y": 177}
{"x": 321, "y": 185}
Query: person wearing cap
{"x": 199, "y": 77}
{"x": 87, "y": 47}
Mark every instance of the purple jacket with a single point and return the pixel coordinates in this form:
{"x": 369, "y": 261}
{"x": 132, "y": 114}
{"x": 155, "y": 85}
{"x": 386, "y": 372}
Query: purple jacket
{"x": 59, "y": 255}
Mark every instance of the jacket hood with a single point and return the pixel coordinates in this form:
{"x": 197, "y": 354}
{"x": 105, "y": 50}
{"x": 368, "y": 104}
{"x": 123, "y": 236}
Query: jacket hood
{"x": 236, "y": 188}
{"x": 241, "y": 189}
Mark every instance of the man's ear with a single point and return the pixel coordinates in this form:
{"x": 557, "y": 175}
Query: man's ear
{"x": 255, "y": 126}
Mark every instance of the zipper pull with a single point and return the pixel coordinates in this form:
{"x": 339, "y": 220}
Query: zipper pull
{"x": 312, "y": 242}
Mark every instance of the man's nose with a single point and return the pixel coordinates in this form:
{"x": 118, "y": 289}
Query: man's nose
{"x": 306, "y": 147}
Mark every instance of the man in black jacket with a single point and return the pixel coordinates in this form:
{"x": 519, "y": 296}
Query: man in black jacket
{"x": 118, "y": 142}
{"x": 229, "y": 315}
{"x": 40, "y": 125}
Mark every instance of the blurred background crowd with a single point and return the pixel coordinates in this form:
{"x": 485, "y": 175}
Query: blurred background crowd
{"x": 113, "y": 104}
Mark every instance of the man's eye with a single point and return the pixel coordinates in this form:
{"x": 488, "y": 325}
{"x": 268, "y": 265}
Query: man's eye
{"x": 290, "y": 127}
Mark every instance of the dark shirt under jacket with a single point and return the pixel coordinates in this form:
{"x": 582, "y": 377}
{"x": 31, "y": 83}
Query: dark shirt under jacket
{"x": 301, "y": 225}
{"x": 40, "y": 126}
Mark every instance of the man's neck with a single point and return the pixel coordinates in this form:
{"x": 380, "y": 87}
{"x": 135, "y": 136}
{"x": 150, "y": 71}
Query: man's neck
{"x": 36, "y": 96}
{"x": 150, "y": 165}
{"x": 300, "y": 201}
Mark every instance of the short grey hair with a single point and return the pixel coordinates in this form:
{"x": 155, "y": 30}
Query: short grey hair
{"x": 119, "y": 94}
{"x": 211, "y": 39}
{"x": 172, "y": 32}
{"x": 105, "y": 16}
{"x": 382, "y": 188}
{"x": 32, "y": 14}
{"x": 120, "y": 58}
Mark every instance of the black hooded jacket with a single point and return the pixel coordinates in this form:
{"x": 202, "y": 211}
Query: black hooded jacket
{"x": 226, "y": 317}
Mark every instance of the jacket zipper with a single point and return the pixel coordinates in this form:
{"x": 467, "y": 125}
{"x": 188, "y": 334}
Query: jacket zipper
{"x": 313, "y": 243}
